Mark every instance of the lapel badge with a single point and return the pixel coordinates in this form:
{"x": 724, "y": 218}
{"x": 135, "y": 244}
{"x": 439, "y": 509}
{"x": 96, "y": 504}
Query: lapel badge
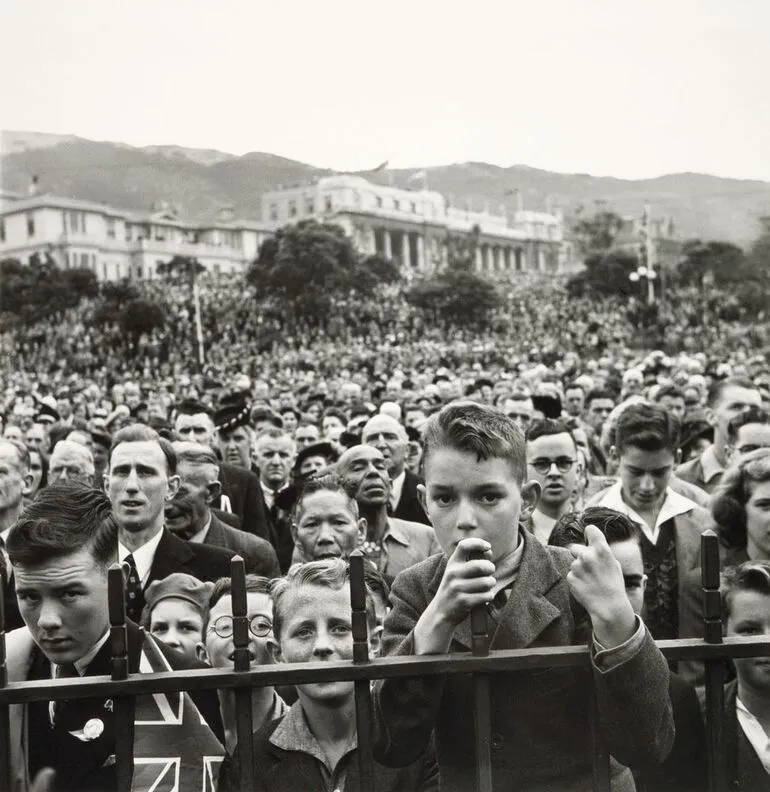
{"x": 108, "y": 705}
{"x": 93, "y": 729}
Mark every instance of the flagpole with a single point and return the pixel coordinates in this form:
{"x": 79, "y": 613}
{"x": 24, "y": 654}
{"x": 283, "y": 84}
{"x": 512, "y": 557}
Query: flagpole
{"x": 649, "y": 255}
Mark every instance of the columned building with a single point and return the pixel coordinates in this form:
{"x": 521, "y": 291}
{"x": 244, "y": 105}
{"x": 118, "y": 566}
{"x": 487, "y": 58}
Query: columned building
{"x": 416, "y": 227}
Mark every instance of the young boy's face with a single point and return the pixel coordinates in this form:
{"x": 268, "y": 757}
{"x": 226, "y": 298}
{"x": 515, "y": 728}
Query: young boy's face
{"x": 750, "y": 616}
{"x": 178, "y": 624}
{"x": 221, "y": 650}
{"x": 316, "y": 628}
{"x": 467, "y": 498}
{"x": 644, "y": 476}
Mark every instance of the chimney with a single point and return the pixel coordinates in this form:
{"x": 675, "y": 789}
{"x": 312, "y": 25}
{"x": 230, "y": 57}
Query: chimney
{"x": 33, "y": 186}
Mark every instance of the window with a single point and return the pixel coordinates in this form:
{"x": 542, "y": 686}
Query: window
{"x": 328, "y": 203}
{"x": 292, "y": 208}
{"x": 396, "y": 204}
{"x": 414, "y": 208}
{"x": 128, "y": 232}
{"x": 2, "y": 229}
{"x": 30, "y": 225}
{"x": 104, "y": 270}
{"x": 160, "y": 233}
{"x": 310, "y": 205}
{"x": 273, "y": 212}
{"x": 84, "y": 260}
{"x": 379, "y": 202}
{"x": 110, "y": 228}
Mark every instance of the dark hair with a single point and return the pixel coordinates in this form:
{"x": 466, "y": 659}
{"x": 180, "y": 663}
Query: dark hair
{"x": 728, "y": 501}
{"x": 335, "y": 412}
{"x": 574, "y": 386}
{"x": 375, "y": 581}
{"x": 43, "y": 467}
{"x": 476, "y": 429}
{"x": 266, "y": 414}
{"x": 718, "y": 387}
{"x": 193, "y": 407}
{"x": 62, "y": 519}
{"x": 293, "y": 410}
{"x": 326, "y": 481}
{"x": 616, "y": 527}
{"x": 646, "y": 426}
{"x": 599, "y": 393}
{"x": 754, "y": 415}
{"x": 748, "y": 576}
{"x": 139, "y": 433}
{"x": 255, "y": 584}
{"x": 545, "y": 427}
{"x": 673, "y": 391}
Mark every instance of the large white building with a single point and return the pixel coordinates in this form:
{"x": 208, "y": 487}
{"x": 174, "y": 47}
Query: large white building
{"x": 412, "y": 226}
{"x": 117, "y": 244}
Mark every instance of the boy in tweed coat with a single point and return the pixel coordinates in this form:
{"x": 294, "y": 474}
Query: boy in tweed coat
{"x": 475, "y": 496}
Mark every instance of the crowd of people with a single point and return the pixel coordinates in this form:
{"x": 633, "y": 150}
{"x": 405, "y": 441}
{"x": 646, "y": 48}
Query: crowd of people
{"x": 549, "y": 471}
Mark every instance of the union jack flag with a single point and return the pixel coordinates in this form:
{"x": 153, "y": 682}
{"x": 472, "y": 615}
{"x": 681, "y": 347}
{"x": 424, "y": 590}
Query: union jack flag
{"x": 174, "y": 749}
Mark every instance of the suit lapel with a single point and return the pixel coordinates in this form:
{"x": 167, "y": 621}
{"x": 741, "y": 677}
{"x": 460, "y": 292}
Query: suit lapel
{"x": 215, "y": 535}
{"x": 171, "y": 555}
{"x": 528, "y": 612}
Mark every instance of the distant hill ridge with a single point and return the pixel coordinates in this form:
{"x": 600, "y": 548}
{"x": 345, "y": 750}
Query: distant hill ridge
{"x": 200, "y": 181}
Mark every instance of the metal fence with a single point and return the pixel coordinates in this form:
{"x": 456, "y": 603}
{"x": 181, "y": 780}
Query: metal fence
{"x": 122, "y": 687}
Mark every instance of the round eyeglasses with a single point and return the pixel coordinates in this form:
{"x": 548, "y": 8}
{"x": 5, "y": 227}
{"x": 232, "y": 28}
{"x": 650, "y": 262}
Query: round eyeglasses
{"x": 259, "y": 626}
{"x": 543, "y": 465}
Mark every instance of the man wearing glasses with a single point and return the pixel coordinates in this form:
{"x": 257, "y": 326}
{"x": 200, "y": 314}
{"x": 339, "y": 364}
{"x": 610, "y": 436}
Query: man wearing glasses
{"x": 552, "y": 462}
{"x": 747, "y": 432}
{"x": 219, "y": 650}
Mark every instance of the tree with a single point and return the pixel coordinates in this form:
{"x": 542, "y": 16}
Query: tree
{"x": 461, "y": 297}
{"x": 597, "y": 233}
{"x": 720, "y": 262}
{"x": 140, "y": 317}
{"x": 606, "y": 274}
{"x": 180, "y": 268}
{"x": 308, "y": 265}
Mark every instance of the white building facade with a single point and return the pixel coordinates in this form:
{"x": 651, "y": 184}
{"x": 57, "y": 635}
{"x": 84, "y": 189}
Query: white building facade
{"x": 116, "y": 244}
{"x": 414, "y": 226}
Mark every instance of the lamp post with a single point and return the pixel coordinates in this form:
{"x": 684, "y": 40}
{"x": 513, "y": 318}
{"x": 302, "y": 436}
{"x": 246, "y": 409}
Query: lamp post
{"x": 648, "y": 274}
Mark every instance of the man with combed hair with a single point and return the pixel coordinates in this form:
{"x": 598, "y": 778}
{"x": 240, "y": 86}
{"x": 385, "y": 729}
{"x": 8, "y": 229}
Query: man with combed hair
{"x": 390, "y": 543}
{"x": 189, "y": 514}
{"x": 71, "y": 461}
{"x": 389, "y": 437}
{"x": 476, "y": 494}
{"x": 61, "y": 550}
{"x": 140, "y": 480}
{"x": 726, "y": 399}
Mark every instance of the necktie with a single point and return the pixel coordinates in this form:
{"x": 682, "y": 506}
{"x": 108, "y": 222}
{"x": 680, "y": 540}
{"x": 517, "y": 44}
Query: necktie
{"x": 134, "y": 593}
{"x": 63, "y": 671}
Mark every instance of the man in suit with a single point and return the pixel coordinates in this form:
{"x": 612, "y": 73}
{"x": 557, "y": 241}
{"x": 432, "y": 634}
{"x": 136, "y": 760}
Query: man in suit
{"x": 476, "y": 493}
{"x": 61, "y": 550}
{"x": 189, "y": 515}
{"x": 389, "y": 437}
{"x": 15, "y": 478}
{"x": 390, "y": 543}
{"x": 726, "y": 399}
{"x": 240, "y": 487}
{"x": 275, "y": 453}
{"x": 140, "y": 480}
{"x": 745, "y": 722}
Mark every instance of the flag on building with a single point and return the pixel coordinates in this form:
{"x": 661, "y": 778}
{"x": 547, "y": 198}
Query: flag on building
{"x": 174, "y": 749}
{"x": 381, "y": 167}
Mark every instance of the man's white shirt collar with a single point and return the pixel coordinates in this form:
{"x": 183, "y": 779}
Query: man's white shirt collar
{"x": 674, "y": 504}
{"x": 755, "y": 734}
{"x": 396, "y": 488}
{"x": 542, "y": 525}
{"x": 143, "y": 556}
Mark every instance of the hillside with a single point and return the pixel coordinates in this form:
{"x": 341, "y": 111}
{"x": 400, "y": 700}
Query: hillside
{"x": 200, "y": 181}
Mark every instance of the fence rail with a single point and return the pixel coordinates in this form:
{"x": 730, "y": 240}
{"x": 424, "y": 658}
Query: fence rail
{"x": 122, "y": 687}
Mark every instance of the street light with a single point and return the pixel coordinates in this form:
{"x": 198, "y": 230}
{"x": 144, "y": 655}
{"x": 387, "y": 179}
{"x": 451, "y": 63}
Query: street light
{"x": 649, "y": 274}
